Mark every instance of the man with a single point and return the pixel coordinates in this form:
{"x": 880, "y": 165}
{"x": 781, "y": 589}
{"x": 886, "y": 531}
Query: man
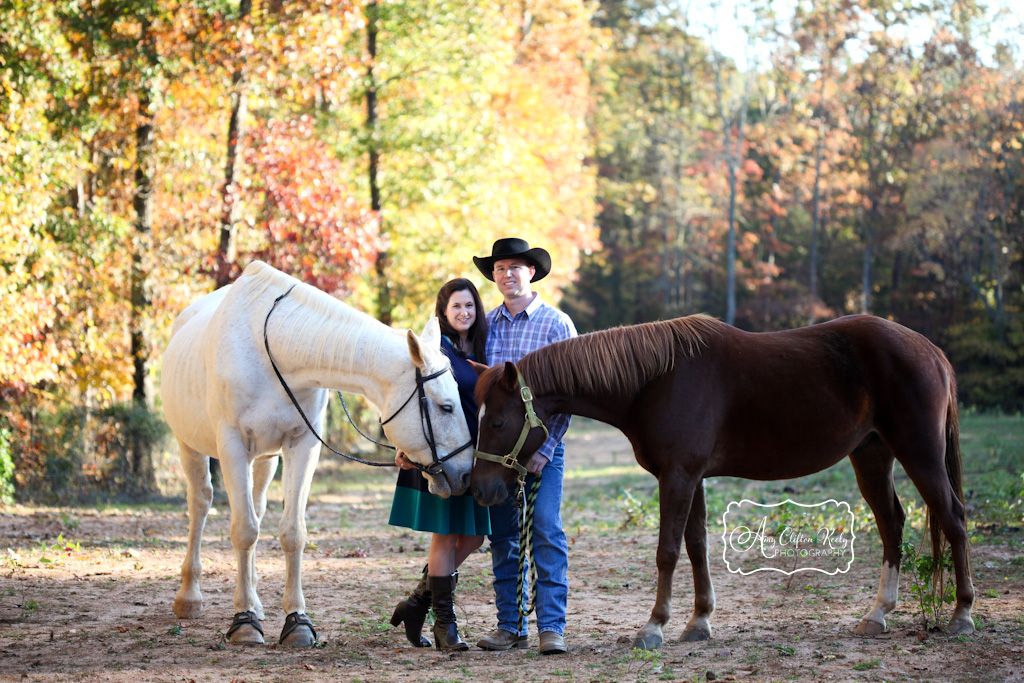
{"x": 521, "y": 324}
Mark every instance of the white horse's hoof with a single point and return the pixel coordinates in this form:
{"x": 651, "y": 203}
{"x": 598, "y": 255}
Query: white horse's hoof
{"x": 245, "y": 629}
{"x": 869, "y": 627}
{"x": 298, "y": 631}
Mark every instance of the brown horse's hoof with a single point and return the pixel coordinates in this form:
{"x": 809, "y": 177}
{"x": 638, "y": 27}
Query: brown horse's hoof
{"x": 867, "y": 627}
{"x": 298, "y": 631}
{"x": 960, "y": 627}
{"x": 647, "y": 641}
{"x": 245, "y": 629}
{"x": 695, "y": 634}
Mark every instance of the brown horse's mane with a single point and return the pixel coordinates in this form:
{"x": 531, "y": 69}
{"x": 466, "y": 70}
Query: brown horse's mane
{"x": 620, "y": 360}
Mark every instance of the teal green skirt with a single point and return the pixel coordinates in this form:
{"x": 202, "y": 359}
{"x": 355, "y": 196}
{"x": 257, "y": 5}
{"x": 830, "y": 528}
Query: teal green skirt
{"x": 416, "y": 508}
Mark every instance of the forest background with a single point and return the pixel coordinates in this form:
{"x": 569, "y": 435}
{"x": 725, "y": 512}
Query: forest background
{"x": 861, "y": 156}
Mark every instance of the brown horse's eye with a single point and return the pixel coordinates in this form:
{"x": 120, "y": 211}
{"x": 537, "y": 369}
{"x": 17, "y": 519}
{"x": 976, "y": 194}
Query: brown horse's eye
{"x": 497, "y": 424}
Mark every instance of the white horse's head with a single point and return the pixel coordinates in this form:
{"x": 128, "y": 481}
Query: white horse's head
{"x": 440, "y": 417}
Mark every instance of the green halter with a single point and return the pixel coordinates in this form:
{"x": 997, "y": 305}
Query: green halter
{"x": 525, "y": 503}
{"x": 512, "y": 459}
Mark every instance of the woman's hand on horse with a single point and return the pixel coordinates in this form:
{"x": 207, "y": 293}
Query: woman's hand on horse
{"x": 403, "y": 461}
{"x": 536, "y": 463}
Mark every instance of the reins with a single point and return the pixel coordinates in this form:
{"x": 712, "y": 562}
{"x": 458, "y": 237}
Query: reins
{"x": 434, "y": 468}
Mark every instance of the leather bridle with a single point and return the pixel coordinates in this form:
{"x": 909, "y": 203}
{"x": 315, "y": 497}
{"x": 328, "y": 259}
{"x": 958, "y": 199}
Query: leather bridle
{"x": 434, "y": 468}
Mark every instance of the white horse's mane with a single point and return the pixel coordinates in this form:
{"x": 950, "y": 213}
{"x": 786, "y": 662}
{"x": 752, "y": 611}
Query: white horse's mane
{"x": 318, "y": 323}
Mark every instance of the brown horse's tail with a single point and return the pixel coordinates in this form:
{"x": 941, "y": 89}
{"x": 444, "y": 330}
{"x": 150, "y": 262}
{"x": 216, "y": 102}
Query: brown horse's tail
{"x": 954, "y": 471}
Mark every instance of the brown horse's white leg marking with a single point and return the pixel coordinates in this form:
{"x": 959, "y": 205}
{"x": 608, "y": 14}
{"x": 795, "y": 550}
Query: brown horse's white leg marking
{"x": 188, "y": 603}
{"x": 873, "y": 622}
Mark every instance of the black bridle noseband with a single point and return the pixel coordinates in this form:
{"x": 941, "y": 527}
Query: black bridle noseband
{"x": 434, "y": 468}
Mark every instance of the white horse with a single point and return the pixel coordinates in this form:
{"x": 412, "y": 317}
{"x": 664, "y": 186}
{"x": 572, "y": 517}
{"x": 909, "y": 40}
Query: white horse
{"x": 222, "y": 399}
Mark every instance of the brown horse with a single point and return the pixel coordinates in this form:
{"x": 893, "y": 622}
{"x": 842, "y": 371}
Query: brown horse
{"x": 698, "y": 398}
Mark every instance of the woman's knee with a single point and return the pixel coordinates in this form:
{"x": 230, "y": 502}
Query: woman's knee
{"x": 444, "y": 542}
{"x": 467, "y": 544}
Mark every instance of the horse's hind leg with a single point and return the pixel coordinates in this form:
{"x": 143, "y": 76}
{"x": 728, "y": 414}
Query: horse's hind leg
{"x": 676, "y": 490}
{"x": 188, "y": 603}
{"x": 872, "y": 463}
{"x": 945, "y": 509}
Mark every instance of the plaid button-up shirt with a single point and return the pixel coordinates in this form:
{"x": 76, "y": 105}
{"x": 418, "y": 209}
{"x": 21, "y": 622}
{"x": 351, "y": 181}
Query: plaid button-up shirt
{"x": 510, "y": 338}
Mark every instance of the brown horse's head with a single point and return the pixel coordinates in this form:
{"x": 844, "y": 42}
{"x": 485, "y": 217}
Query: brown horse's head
{"x": 503, "y": 415}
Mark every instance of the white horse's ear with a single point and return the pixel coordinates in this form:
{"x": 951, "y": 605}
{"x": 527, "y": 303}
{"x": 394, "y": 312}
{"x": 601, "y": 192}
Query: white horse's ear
{"x": 430, "y": 340}
{"x": 414, "y": 349}
{"x": 431, "y": 335}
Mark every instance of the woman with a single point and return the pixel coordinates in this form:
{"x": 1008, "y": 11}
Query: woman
{"x": 458, "y": 523}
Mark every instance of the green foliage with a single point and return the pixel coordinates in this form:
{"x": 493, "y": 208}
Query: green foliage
{"x": 72, "y": 453}
{"x": 6, "y": 468}
{"x": 930, "y": 582}
{"x": 990, "y": 370}
{"x": 868, "y": 665}
{"x": 637, "y": 513}
{"x": 491, "y": 119}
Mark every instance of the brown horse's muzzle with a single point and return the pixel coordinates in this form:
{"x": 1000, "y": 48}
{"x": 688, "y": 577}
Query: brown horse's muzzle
{"x": 488, "y": 483}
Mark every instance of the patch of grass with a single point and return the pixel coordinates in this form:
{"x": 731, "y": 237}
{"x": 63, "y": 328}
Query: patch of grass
{"x": 868, "y": 665}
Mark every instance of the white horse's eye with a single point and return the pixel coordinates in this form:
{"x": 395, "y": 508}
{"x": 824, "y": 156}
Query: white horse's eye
{"x": 448, "y": 408}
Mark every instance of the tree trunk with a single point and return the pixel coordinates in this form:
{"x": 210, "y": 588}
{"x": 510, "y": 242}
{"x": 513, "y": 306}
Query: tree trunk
{"x": 812, "y": 285}
{"x": 226, "y": 247}
{"x": 385, "y": 305}
{"x": 867, "y": 267}
{"x": 140, "y": 297}
{"x": 733, "y": 161}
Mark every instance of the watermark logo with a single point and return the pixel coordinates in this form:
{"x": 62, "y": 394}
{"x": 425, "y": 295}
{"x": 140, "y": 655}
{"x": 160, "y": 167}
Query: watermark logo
{"x": 788, "y": 537}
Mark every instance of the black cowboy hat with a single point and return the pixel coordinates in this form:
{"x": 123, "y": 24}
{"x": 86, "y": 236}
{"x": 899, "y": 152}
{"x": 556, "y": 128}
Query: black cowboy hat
{"x": 513, "y": 247}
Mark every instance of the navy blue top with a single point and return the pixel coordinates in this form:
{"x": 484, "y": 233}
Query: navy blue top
{"x": 465, "y": 377}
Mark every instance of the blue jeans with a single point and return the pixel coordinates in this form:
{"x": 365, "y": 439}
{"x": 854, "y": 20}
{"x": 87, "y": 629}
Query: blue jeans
{"x": 551, "y": 552}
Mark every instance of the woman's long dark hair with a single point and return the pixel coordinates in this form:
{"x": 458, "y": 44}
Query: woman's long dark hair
{"x": 477, "y": 334}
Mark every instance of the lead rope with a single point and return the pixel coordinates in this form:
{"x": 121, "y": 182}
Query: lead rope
{"x": 526, "y": 546}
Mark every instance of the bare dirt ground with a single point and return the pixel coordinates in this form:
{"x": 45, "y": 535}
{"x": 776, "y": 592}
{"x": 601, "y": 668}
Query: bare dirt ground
{"x": 86, "y": 595}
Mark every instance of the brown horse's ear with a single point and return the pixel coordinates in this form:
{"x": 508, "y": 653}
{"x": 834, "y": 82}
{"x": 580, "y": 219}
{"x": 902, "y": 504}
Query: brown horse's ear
{"x": 478, "y": 367}
{"x": 510, "y": 378}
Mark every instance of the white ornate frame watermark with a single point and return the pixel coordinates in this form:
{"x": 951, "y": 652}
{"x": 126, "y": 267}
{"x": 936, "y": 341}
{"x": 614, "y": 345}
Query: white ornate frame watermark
{"x": 827, "y": 542}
